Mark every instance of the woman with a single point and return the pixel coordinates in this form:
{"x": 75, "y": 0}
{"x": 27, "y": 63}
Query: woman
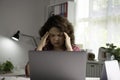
{"x": 56, "y": 34}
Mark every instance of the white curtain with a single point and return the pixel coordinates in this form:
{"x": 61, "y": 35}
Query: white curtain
{"x": 97, "y": 23}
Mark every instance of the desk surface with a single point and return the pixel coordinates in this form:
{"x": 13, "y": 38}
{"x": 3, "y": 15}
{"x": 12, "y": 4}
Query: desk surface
{"x": 20, "y": 75}
{"x": 24, "y": 78}
{"x": 92, "y": 78}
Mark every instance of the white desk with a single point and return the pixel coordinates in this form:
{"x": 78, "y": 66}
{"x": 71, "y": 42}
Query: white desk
{"x": 19, "y": 75}
{"x": 92, "y": 78}
{"x": 24, "y": 78}
{"x": 17, "y": 72}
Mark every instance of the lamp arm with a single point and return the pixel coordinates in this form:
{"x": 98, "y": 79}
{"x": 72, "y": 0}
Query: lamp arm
{"x": 30, "y": 37}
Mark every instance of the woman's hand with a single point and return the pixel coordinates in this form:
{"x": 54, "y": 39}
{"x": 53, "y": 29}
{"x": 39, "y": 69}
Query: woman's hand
{"x": 68, "y": 42}
{"x": 43, "y": 41}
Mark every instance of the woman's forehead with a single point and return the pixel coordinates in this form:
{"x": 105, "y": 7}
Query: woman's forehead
{"x": 54, "y": 30}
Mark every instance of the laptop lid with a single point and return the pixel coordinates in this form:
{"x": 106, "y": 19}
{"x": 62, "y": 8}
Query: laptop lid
{"x": 57, "y": 65}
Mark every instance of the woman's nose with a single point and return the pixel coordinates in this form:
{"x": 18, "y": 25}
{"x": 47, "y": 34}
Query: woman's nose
{"x": 56, "y": 38}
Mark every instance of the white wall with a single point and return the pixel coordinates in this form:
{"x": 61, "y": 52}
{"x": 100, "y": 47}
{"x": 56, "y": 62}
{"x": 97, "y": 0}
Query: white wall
{"x": 24, "y": 15}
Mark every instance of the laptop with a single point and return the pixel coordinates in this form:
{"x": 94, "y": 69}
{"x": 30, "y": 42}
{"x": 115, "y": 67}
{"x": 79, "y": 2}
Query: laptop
{"x": 111, "y": 70}
{"x": 57, "y": 65}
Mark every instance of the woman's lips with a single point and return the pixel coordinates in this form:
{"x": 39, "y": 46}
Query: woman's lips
{"x": 56, "y": 43}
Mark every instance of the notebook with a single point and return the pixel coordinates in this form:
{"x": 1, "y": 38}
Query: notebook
{"x": 57, "y": 65}
{"x": 111, "y": 70}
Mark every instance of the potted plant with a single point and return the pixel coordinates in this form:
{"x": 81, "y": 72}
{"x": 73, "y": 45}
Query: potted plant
{"x": 113, "y": 50}
{"x": 91, "y": 56}
{"x": 6, "y": 67}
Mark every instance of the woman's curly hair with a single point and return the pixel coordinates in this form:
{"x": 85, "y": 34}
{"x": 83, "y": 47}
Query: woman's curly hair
{"x": 59, "y": 22}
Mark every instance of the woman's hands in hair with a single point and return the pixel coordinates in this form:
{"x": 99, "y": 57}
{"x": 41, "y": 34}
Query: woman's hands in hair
{"x": 68, "y": 42}
{"x": 43, "y": 41}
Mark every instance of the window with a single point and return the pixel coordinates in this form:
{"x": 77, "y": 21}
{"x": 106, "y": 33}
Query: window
{"x": 97, "y": 23}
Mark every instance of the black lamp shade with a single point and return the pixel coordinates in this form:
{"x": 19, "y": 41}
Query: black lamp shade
{"x": 16, "y": 36}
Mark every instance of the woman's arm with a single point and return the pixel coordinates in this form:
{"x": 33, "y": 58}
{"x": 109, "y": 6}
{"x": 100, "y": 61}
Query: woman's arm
{"x": 68, "y": 42}
{"x": 42, "y": 42}
{"x": 75, "y": 48}
{"x": 27, "y": 70}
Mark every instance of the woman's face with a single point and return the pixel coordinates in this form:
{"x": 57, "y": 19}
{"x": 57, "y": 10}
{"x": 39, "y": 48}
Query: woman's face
{"x": 56, "y": 37}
